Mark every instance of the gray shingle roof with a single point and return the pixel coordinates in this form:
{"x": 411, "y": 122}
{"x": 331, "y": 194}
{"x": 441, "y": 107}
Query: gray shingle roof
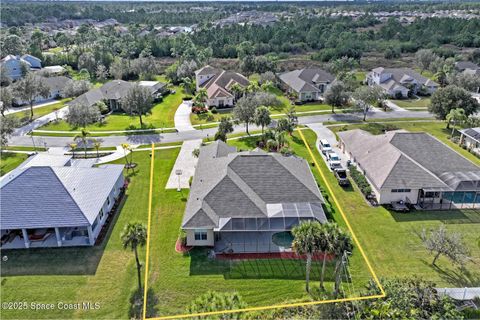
{"x": 63, "y": 196}
{"x": 405, "y": 75}
{"x": 400, "y": 159}
{"x": 305, "y": 79}
{"x": 240, "y": 184}
{"x": 220, "y": 84}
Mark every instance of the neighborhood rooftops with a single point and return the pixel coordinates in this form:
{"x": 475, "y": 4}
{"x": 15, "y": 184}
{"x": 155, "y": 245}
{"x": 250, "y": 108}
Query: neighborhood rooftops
{"x": 400, "y": 77}
{"x": 305, "y": 79}
{"x": 400, "y": 159}
{"x": 254, "y": 184}
{"x": 37, "y": 195}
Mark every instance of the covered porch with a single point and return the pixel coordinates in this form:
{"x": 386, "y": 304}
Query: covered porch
{"x": 46, "y": 237}
{"x": 448, "y": 200}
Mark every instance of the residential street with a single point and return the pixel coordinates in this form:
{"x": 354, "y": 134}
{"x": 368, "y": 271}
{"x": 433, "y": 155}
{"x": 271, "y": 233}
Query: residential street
{"x": 111, "y": 141}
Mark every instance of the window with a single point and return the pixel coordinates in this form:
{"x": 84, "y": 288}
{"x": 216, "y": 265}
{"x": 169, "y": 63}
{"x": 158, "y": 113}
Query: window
{"x": 200, "y": 234}
{"x": 100, "y": 215}
{"x": 108, "y": 200}
{"x": 401, "y": 190}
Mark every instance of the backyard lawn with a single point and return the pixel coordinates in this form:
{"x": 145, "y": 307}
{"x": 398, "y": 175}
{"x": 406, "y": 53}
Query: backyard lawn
{"x": 413, "y": 104}
{"x": 161, "y": 116}
{"x": 9, "y": 161}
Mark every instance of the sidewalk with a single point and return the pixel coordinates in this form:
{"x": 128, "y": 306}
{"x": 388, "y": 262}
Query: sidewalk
{"x": 40, "y": 122}
{"x": 27, "y": 108}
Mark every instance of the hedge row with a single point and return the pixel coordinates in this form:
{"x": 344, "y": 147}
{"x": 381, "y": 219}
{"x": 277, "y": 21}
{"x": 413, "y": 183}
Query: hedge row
{"x": 360, "y": 180}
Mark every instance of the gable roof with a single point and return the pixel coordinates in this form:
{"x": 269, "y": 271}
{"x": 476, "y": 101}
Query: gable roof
{"x": 219, "y": 85}
{"x": 403, "y": 76}
{"x": 305, "y": 79}
{"x": 230, "y": 184}
{"x": 39, "y": 196}
{"x": 400, "y": 159}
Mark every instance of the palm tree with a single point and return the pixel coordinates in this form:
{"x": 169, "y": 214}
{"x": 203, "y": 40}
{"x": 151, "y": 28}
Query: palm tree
{"x": 126, "y": 147}
{"x": 83, "y": 135}
{"x": 134, "y": 235}
{"x": 305, "y": 242}
{"x": 326, "y": 243}
{"x": 262, "y": 117}
{"x": 252, "y": 87}
{"x": 73, "y": 147}
{"x": 342, "y": 245}
{"x": 96, "y": 145}
{"x": 201, "y": 97}
{"x": 188, "y": 85}
{"x": 455, "y": 115}
{"x": 237, "y": 90}
{"x": 280, "y": 138}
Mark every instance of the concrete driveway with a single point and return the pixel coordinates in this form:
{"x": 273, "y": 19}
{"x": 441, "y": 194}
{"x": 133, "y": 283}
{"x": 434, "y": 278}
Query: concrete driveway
{"x": 182, "y": 117}
{"x": 185, "y": 164}
{"x": 325, "y": 133}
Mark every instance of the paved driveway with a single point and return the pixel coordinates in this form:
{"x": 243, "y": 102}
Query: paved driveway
{"x": 185, "y": 162}
{"x": 325, "y": 133}
{"x": 40, "y": 122}
{"x": 182, "y": 117}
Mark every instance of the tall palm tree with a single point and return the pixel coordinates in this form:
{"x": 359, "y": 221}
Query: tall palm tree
{"x": 201, "y": 97}
{"x": 305, "y": 240}
{"x": 134, "y": 235}
{"x": 342, "y": 245}
{"x": 73, "y": 147}
{"x": 252, "y": 87}
{"x": 237, "y": 90}
{"x": 188, "y": 85}
{"x": 96, "y": 145}
{"x": 262, "y": 117}
{"x": 83, "y": 136}
{"x": 126, "y": 147}
{"x": 326, "y": 244}
{"x": 455, "y": 115}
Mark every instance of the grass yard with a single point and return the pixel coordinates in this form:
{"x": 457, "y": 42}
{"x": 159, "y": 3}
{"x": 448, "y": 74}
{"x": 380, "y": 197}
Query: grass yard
{"x": 390, "y": 239}
{"x": 41, "y": 111}
{"x": 161, "y": 116}
{"x": 9, "y": 161}
{"x": 413, "y": 104}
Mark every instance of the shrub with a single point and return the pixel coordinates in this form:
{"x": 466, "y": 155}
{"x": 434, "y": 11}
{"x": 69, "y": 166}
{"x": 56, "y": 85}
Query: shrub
{"x": 398, "y": 95}
{"x": 187, "y": 98}
{"x": 360, "y": 180}
{"x": 214, "y": 110}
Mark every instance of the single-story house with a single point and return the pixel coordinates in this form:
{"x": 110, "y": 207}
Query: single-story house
{"x": 400, "y": 81}
{"x": 309, "y": 84}
{"x": 461, "y": 66}
{"x": 54, "y": 201}
{"x": 239, "y": 200}
{"x": 413, "y": 167}
{"x": 112, "y": 93}
{"x": 218, "y": 84}
{"x": 470, "y": 138}
{"x": 56, "y": 86}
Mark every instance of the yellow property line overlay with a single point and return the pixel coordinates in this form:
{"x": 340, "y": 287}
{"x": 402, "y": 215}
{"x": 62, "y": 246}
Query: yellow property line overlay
{"x": 288, "y": 305}
{"x": 150, "y": 196}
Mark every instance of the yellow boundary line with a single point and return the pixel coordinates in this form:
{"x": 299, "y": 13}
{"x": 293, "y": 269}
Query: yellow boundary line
{"x": 288, "y": 305}
{"x": 150, "y": 196}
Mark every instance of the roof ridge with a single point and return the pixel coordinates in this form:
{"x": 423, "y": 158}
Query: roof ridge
{"x": 243, "y": 186}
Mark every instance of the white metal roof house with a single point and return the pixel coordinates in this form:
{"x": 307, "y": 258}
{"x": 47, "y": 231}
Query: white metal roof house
{"x": 413, "y": 167}
{"x": 400, "y": 81}
{"x": 470, "y": 138}
{"x": 55, "y": 201}
{"x": 239, "y": 200}
{"x": 309, "y": 84}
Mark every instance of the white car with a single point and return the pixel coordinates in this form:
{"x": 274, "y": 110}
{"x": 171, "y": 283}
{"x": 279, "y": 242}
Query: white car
{"x": 333, "y": 160}
{"x": 325, "y": 146}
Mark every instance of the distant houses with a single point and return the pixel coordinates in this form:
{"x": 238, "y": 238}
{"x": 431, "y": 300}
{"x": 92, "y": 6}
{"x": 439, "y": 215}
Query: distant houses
{"x": 308, "y": 84}
{"x": 218, "y": 83}
{"x": 468, "y": 67}
{"x": 112, "y": 92}
{"x": 400, "y": 82}
{"x": 415, "y": 168}
{"x": 55, "y": 201}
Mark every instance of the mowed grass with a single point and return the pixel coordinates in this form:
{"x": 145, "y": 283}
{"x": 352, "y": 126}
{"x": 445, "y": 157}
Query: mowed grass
{"x": 105, "y": 274}
{"x": 9, "y": 161}
{"x": 413, "y": 104}
{"x": 161, "y": 116}
{"x": 41, "y": 111}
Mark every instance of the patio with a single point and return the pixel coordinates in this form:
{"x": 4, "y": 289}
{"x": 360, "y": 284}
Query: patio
{"x": 247, "y": 242}
{"x": 45, "y": 238}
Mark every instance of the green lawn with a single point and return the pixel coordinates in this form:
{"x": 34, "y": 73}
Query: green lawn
{"x": 9, "y": 161}
{"x": 161, "y": 116}
{"x": 41, "y": 111}
{"x": 413, "y": 104}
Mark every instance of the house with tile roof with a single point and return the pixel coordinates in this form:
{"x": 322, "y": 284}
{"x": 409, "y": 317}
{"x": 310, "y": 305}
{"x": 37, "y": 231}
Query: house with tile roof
{"x": 309, "y": 84}
{"x": 400, "y": 82}
{"x": 55, "y": 201}
{"x": 414, "y": 167}
{"x": 239, "y": 200}
{"x": 218, "y": 84}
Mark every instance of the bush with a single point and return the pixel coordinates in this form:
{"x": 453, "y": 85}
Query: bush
{"x": 182, "y": 236}
{"x": 398, "y": 95}
{"x": 214, "y": 110}
{"x": 187, "y": 98}
{"x": 360, "y": 180}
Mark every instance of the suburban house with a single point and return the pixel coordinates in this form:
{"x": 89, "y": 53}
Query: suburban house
{"x": 218, "y": 84}
{"x": 467, "y": 67}
{"x": 54, "y": 70}
{"x": 309, "y": 84}
{"x": 239, "y": 200}
{"x": 56, "y": 86}
{"x": 12, "y": 65}
{"x": 54, "y": 201}
{"x": 400, "y": 82}
{"x": 470, "y": 139}
{"x": 413, "y": 167}
{"x": 112, "y": 93}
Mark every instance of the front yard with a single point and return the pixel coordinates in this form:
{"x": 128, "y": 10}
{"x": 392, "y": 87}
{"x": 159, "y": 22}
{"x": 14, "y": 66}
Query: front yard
{"x": 161, "y": 116}
{"x": 40, "y": 111}
{"x": 420, "y": 104}
{"x": 9, "y": 161}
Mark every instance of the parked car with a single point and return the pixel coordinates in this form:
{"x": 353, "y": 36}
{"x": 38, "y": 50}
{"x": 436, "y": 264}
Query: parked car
{"x": 325, "y": 147}
{"x": 341, "y": 175}
{"x": 333, "y": 160}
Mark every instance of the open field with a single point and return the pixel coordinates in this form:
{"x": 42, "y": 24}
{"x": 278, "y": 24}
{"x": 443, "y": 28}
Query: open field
{"x": 161, "y": 116}
{"x": 413, "y": 104}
